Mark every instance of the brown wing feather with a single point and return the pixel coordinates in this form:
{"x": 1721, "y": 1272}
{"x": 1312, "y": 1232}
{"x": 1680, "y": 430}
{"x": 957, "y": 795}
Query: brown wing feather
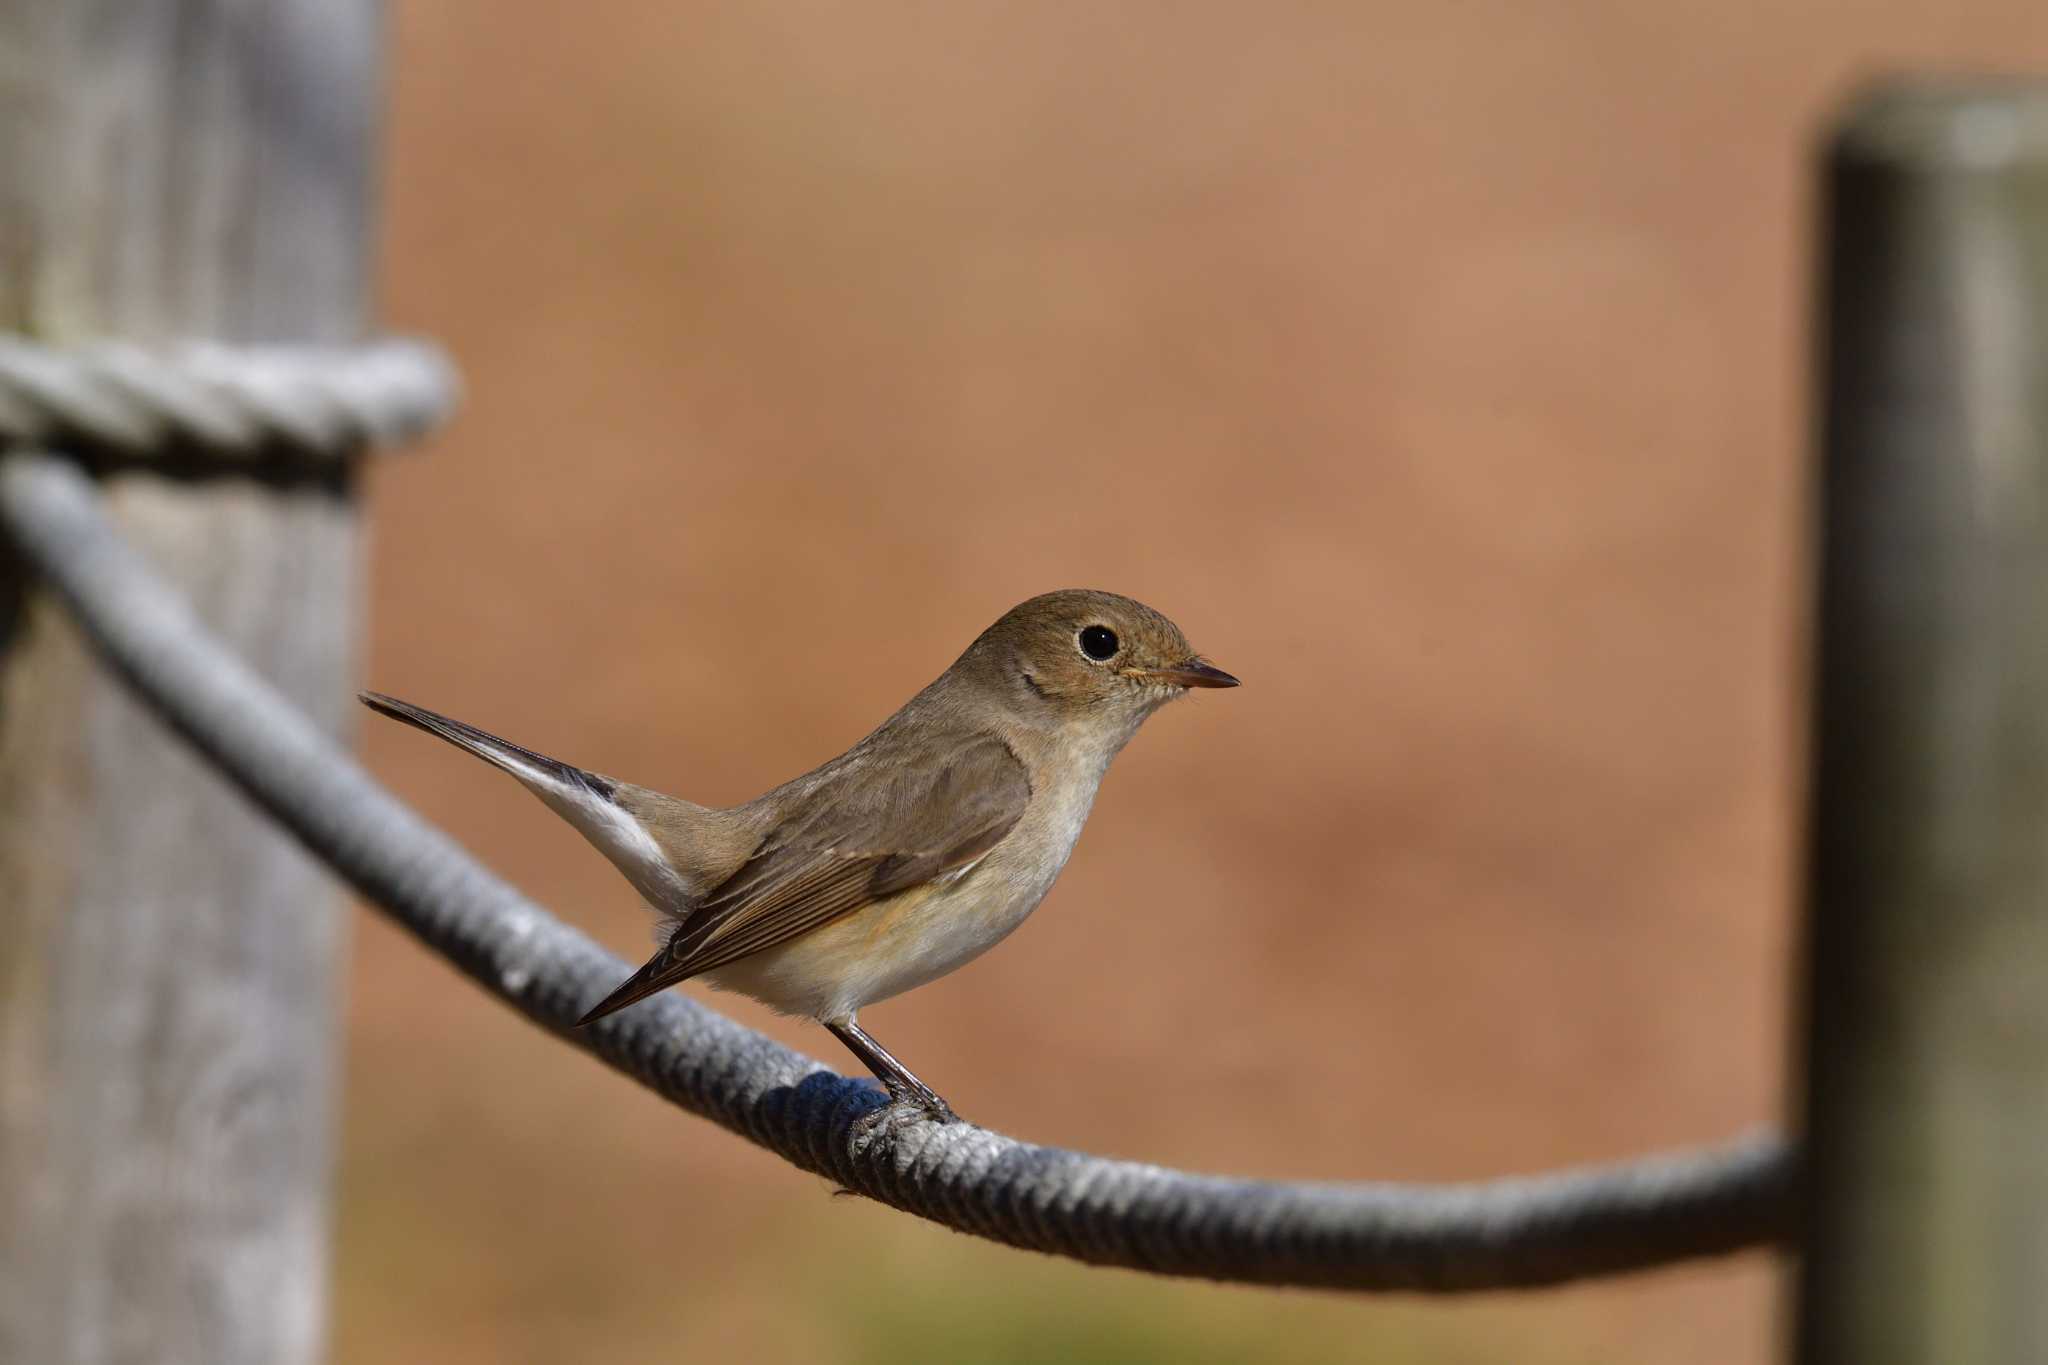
{"x": 859, "y": 837}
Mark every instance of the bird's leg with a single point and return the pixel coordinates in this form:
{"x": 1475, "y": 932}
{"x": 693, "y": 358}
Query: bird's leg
{"x": 903, "y": 1086}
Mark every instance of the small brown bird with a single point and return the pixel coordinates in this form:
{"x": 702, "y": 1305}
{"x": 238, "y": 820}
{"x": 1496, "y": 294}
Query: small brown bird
{"x": 903, "y": 858}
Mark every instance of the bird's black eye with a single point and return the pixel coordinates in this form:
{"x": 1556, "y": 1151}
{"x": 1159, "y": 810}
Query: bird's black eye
{"x": 1098, "y": 643}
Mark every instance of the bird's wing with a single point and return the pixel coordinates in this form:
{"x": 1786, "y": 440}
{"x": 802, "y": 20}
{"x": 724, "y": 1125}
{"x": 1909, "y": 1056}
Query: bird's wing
{"x": 861, "y": 836}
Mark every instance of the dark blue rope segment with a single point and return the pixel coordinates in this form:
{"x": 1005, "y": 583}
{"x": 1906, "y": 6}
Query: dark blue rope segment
{"x": 1497, "y": 1234}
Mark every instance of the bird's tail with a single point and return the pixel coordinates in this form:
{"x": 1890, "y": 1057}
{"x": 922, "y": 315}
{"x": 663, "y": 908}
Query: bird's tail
{"x": 538, "y": 771}
{"x": 614, "y": 816}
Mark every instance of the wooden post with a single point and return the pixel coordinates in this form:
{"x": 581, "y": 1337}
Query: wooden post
{"x": 1926, "y": 1237}
{"x": 168, "y": 960}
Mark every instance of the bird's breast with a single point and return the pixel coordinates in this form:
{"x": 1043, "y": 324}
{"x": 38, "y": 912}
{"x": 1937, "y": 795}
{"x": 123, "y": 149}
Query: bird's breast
{"x": 976, "y": 907}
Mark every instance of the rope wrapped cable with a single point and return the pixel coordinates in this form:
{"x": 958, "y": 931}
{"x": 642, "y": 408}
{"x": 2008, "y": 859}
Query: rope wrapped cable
{"x": 226, "y": 403}
{"x": 1517, "y": 1232}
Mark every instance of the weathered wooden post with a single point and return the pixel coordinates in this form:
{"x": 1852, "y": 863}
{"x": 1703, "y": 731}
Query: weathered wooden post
{"x": 1926, "y": 1237}
{"x": 167, "y": 960}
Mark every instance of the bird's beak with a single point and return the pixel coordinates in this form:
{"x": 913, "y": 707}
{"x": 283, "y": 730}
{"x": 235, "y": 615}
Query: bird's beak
{"x": 1193, "y": 673}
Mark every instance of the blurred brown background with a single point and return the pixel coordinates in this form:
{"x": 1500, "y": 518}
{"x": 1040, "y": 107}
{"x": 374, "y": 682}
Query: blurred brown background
{"x": 1439, "y": 368}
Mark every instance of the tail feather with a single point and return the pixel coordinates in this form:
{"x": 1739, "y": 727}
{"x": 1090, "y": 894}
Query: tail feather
{"x": 521, "y": 762}
{"x": 607, "y": 813}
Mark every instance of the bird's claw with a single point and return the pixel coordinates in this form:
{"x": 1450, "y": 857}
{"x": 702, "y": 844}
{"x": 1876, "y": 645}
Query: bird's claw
{"x": 927, "y": 1102}
{"x": 905, "y": 1104}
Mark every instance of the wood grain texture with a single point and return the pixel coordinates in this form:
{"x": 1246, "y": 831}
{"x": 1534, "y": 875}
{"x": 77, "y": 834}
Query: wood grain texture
{"x": 1928, "y": 1023}
{"x": 167, "y": 971}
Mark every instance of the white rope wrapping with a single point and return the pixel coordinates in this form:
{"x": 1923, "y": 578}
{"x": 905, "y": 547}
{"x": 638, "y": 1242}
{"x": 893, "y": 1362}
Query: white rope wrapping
{"x": 229, "y": 403}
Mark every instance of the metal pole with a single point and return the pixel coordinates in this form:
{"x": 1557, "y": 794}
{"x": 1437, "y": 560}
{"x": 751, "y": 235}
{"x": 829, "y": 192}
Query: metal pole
{"x": 1926, "y": 1231}
{"x": 167, "y": 960}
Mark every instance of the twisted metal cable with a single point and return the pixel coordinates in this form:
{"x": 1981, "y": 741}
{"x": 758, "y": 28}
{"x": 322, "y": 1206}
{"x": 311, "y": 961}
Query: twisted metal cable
{"x": 233, "y": 403}
{"x": 1496, "y": 1234}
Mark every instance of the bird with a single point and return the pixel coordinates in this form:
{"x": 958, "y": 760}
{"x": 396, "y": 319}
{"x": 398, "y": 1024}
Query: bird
{"x": 905, "y": 857}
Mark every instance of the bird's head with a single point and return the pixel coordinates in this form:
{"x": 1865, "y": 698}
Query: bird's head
{"x": 1085, "y": 656}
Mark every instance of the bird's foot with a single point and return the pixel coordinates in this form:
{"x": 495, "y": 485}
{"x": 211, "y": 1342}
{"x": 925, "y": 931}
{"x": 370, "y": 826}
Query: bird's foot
{"x": 923, "y": 1098}
{"x": 906, "y": 1091}
{"x": 902, "y": 1109}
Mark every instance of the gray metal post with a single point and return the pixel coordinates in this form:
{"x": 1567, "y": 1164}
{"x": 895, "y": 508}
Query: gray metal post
{"x": 167, "y": 959}
{"x": 1926, "y": 1234}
